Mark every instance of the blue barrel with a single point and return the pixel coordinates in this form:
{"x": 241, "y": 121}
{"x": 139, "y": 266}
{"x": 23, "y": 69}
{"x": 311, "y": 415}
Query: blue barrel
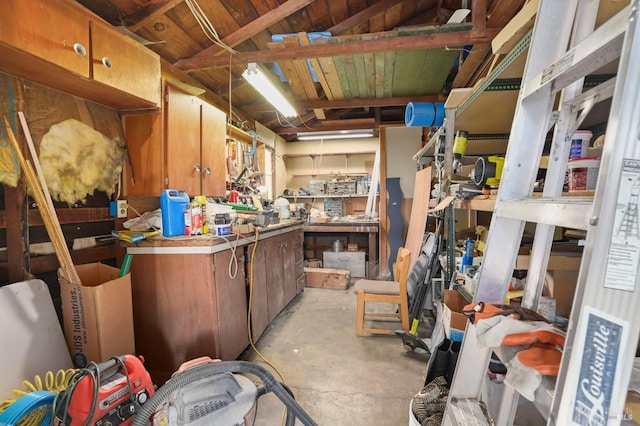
{"x": 424, "y": 114}
{"x": 173, "y": 204}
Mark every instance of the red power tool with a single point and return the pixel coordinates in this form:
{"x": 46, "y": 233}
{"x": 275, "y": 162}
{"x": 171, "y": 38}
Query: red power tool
{"x": 106, "y": 394}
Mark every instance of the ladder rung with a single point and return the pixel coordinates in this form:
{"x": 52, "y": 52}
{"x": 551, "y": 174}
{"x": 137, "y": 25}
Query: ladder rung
{"x": 599, "y": 48}
{"x": 599, "y": 93}
{"x": 466, "y": 412}
{"x": 569, "y": 212}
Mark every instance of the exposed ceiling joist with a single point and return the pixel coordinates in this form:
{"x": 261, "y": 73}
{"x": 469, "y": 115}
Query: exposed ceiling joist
{"x": 152, "y": 11}
{"x": 254, "y": 27}
{"x": 417, "y": 42}
{"x": 362, "y": 16}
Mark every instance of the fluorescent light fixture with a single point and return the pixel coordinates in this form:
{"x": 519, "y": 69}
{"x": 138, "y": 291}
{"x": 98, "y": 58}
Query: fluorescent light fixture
{"x": 341, "y": 134}
{"x": 257, "y": 78}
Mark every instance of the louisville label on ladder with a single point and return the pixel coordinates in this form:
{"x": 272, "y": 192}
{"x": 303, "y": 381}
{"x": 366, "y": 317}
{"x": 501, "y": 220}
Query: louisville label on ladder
{"x": 598, "y": 352}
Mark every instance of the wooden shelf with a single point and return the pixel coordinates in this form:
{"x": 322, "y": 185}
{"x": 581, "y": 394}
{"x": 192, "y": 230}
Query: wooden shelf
{"x": 481, "y": 204}
{"x": 308, "y": 197}
{"x": 330, "y": 154}
{"x": 337, "y": 174}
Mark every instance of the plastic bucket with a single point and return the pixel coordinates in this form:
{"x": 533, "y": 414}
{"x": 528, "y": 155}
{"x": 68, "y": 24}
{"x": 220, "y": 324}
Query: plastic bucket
{"x": 173, "y": 205}
{"x": 222, "y": 230}
{"x": 583, "y": 174}
{"x": 580, "y": 144}
{"x": 424, "y": 114}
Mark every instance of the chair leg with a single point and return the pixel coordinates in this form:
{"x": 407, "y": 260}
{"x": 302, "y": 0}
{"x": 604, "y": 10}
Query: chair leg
{"x": 360, "y": 314}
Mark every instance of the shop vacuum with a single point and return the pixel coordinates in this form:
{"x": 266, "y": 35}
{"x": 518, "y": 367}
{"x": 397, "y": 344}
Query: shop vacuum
{"x": 202, "y": 392}
{"x": 207, "y": 392}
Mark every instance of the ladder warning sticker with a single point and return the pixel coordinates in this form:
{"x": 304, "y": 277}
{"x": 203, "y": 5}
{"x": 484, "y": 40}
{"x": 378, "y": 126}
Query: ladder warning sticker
{"x": 624, "y": 252}
{"x": 602, "y": 337}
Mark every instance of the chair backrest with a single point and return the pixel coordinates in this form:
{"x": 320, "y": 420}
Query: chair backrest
{"x": 401, "y": 269}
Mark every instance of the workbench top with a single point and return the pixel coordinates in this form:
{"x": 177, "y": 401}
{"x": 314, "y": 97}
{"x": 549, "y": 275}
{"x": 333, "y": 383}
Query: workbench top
{"x": 208, "y": 243}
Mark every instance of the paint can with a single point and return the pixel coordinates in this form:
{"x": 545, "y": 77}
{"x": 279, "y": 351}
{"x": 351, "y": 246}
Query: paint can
{"x": 580, "y": 144}
{"x": 583, "y": 174}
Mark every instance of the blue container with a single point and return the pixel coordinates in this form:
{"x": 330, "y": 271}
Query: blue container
{"x": 173, "y": 204}
{"x": 424, "y": 114}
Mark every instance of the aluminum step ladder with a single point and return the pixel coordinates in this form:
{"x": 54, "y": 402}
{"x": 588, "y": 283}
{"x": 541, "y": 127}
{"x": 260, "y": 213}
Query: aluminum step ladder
{"x": 603, "y": 330}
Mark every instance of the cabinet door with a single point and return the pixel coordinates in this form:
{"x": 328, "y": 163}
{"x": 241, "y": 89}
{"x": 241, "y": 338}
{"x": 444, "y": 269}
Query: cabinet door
{"x": 48, "y": 29}
{"x": 124, "y": 64}
{"x": 289, "y": 261}
{"x": 183, "y": 141}
{"x": 173, "y": 310}
{"x": 231, "y": 301}
{"x": 259, "y": 307}
{"x": 275, "y": 275}
{"x": 144, "y": 134}
{"x": 213, "y": 139}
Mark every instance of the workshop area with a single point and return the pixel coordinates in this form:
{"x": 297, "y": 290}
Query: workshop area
{"x": 319, "y": 212}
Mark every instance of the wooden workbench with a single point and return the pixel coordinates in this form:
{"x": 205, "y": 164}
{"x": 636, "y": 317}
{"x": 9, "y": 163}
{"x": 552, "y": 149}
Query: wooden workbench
{"x": 348, "y": 227}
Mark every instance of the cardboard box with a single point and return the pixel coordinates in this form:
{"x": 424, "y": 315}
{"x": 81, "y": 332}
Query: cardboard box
{"x": 327, "y": 278}
{"x": 97, "y": 315}
{"x": 352, "y": 261}
{"x": 313, "y": 263}
{"x": 453, "y": 319}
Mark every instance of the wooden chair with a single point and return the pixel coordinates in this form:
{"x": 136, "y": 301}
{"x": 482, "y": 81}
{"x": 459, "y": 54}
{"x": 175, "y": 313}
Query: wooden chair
{"x": 385, "y": 292}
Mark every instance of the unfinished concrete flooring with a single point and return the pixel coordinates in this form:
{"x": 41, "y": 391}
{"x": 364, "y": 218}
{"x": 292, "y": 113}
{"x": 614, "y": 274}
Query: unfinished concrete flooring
{"x": 338, "y": 378}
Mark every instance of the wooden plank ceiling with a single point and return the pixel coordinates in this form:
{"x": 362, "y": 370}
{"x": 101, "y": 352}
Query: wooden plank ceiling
{"x": 344, "y": 64}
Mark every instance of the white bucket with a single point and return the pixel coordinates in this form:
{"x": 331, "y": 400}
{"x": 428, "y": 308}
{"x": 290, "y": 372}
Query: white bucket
{"x": 221, "y": 230}
{"x": 583, "y": 174}
{"x": 580, "y": 144}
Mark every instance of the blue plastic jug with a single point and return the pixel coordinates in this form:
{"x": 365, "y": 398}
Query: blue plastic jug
{"x": 173, "y": 204}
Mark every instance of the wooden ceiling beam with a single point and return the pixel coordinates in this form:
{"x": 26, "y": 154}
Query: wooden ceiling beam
{"x": 479, "y": 17}
{"x": 150, "y": 12}
{"x": 254, "y": 27}
{"x": 503, "y": 11}
{"x": 416, "y": 42}
{"x": 362, "y": 16}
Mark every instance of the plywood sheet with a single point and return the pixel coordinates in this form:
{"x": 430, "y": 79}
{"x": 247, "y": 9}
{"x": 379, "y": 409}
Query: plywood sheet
{"x": 31, "y": 335}
{"x": 419, "y": 211}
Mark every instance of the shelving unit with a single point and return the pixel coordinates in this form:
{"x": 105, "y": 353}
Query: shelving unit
{"x": 603, "y": 302}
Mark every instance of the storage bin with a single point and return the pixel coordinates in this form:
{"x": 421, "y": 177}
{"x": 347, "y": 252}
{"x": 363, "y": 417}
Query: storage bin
{"x": 351, "y": 261}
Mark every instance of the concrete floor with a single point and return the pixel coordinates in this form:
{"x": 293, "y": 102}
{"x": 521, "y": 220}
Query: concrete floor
{"x": 337, "y": 378}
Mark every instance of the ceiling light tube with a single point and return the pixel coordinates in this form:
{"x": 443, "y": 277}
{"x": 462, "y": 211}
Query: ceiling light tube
{"x": 266, "y": 88}
{"x": 316, "y": 137}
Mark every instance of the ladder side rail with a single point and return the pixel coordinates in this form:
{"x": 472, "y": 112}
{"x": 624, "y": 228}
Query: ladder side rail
{"x": 517, "y": 182}
{"x": 600, "y": 47}
{"x": 585, "y": 20}
{"x": 598, "y": 294}
{"x": 584, "y": 23}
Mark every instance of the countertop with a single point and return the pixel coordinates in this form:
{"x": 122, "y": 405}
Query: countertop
{"x": 208, "y": 243}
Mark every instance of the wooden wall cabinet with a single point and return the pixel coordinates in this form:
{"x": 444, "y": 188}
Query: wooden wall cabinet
{"x": 62, "y": 45}
{"x": 181, "y": 148}
{"x": 186, "y": 306}
{"x": 196, "y": 137}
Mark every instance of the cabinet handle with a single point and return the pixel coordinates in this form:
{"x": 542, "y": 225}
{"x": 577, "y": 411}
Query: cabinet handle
{"x": 196, "y": 168}
{"x": 107, "y": 62}
{"x": 79, "y": 49}
{"x": 207, "y": 170}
